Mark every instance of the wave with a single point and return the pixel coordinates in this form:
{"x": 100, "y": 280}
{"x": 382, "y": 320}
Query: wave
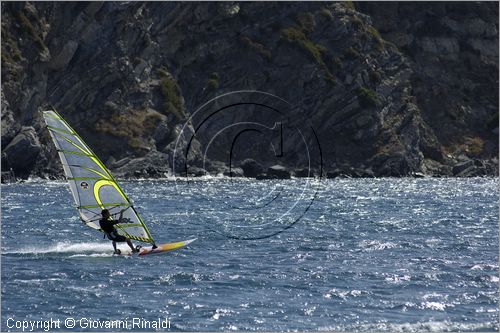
{"x": 76, "y": 249}
{"x": 174, "y": 178}
{"x": 429, "y": 326}
{"x": 377, "y": 245}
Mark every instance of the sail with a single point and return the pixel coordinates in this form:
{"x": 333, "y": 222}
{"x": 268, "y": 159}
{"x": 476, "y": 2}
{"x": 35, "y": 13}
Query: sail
{"x": 92, "y": 185}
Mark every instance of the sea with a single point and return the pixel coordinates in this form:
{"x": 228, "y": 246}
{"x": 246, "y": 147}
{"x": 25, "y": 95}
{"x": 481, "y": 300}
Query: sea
{"x": 389, "y": 254}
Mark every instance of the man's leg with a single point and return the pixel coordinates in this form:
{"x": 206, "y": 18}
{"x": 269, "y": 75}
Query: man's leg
{"x": 114, "y": 245}
{"x": 129, "y": 242}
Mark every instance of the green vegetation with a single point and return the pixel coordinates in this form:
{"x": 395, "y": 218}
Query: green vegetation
{"x": 133, "y": 126}
{"x": 306, "y": 21}
{"x": 357, "y": 22}
{"x": 26, "y": 24}
{"x": 322, "y": 49}
{"x": 349, "y": 5}
{"x": 6, "y": 59}
{"x": 351, "y": 53}
{"x": 370, "y": 33}
{"x": 11, "y": 56}
{"x": 394, "y": 145}
{"x": 337, "y": 62}
{"x": 259, "y": 48}
{"x": 330, "y": 78}
{"x": 326, "y": 14}
{"x": 475, "y": 145}
{"x": 9, "y": 66}
{"x": 214, "y": 76}
{"x": 16, "y": 54}
{"x": 151, "y": 119}
{"x": 316, "y": 51}
{"x": 295, "y": 35}
{"x": 374, "y": 32}
{"x": 171, "y": 94}
{"x": 391, "y": 44}
{"x": 212, "y": 85}
{"x": 162, "y": 71}
{"x": 137, "y": 143}
{"x": 367, "y": 97}
{"x": 10, "y": 47}
{"x": 376, "y": 35}
{"x": 213, "y": 81}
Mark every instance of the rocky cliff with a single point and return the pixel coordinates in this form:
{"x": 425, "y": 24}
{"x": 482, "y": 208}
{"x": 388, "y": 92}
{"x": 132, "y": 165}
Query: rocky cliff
{"x": 391, "y": 89}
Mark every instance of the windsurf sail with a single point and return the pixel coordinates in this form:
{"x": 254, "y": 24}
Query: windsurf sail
{"x": 92, "y": 185}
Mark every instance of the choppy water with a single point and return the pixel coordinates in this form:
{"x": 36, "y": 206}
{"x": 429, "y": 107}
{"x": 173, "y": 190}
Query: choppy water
{"x": 369, "y": 255}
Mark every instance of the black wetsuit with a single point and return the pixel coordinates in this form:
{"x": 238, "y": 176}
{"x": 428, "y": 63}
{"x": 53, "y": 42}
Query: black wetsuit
{"x": 108, "y": 227}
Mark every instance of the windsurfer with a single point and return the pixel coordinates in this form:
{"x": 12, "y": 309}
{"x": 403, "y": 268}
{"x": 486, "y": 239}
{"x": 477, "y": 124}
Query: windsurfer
{"x": 108, "y": 227}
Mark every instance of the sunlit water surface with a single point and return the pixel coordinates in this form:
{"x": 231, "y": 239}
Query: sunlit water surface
{"x": 368, "y": 255}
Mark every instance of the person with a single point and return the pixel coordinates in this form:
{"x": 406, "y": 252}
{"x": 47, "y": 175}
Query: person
{"x": 108, "y": 227}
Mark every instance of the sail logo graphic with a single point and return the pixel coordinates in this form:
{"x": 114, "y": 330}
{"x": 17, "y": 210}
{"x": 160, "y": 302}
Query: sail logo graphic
{"x": 84, "y": 185}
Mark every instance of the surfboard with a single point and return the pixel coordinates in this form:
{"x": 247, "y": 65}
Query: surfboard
{"x": 162, "y": 248}
{"x": 165, "y": 247}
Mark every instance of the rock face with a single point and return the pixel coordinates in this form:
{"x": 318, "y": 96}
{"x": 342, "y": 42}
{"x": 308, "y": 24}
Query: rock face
{"x": 251, "y": 168}
{"x": 302, "y": 173}
{"x": 154, "y": 164}
{"x": 278, "y": 171}
{"x": 450, "y": 48}
{"x": 462, "y": 166}
{"x": 22, "y": 152}
{"x": 390, "y": 90}
{"x": 235, "y": 172}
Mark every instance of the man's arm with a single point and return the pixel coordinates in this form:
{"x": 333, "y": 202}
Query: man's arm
{"x": 120, "y": 218}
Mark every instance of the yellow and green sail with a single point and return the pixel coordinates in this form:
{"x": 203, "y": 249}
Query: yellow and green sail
{"x": 92, "y": 185}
